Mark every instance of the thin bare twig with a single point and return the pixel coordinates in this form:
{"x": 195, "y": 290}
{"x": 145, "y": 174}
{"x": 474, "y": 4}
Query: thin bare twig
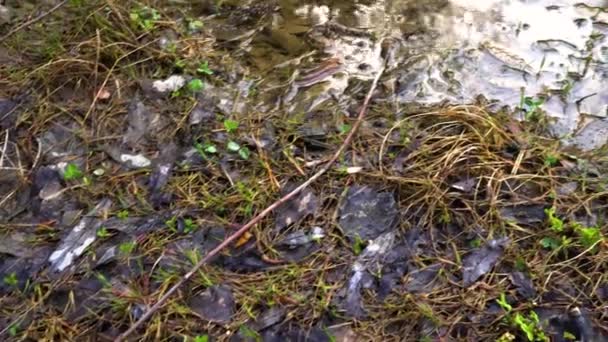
{"x": 30, "y": 22}
{"x": 258, "y": 218}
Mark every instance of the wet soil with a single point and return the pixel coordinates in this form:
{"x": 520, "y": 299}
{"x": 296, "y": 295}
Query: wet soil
{"x": 136, "y": 136}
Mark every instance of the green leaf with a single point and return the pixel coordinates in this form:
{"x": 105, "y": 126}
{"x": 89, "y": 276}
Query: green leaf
{"x": 13, "y": 329}
{"x": 233, "y": 146}
{"x": 209, "y": 148}
{"x": 550, "y": 243}
{"x": 72, "y": 172}
{"x": 244, "y": 153}
{"x": 103, "y": 232}
{"x": 126, "y": 248}
{"x": 359, "y": 245}
{"x": 203, "y": 68}
{"x": 195, "y": 25}
{"x": 196, "y": 85}
{"x": 123, "y": 214}
{"x": 344, "y": 128}
{"x": 201, "y": 338}
{"x": 551, "y": 160}
{"x": 231, "y": 125}
{"x": 555, "y": 223}
{"x": 589, "y": 236}
{"x": 11, "y": 279}
{"x": 502, "y": 301}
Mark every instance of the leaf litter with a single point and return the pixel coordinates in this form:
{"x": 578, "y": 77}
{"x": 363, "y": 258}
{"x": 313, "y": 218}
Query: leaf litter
{"x": 415, "y": 251}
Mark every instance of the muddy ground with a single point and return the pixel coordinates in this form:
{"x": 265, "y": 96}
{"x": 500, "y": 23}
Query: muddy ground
{"x": 471, "y": 205}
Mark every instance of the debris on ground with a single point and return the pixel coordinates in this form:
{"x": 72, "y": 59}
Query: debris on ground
{"x": 469, "y": 205}
{"x": 215, "y": 304}
{"x": 80, "y": 237}
{"x": 367, "y": 213}
{"x": 481, "y": 261}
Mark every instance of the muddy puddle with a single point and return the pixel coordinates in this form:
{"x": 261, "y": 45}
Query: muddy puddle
{"x": 552, "y": 52}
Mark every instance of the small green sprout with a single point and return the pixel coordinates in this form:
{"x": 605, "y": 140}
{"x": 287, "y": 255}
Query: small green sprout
{"x": 189, "y": 225}
{"x": 530, "y": 326}
{"x": 502, "y": 301}
{"x": 195, "y": 25}
{"x": 11, "y": 279}
{"x": 231, "y": 125}
{"x": 196, "y": 85}
{"x": 551, "y": 160}
{"x": 72, "y": 172}
{"x": 103, "y": 233}
{"x": 233, "y": 146}
{"x": 201, "y": 338}
{"x": 244, "y": 152}
{"x": 589, "y": 236}
{"x": 359, "y": 245}
{"x": 13, "y": 329}
{"x": 344, "y": 128}
{"x": 555, "y": 223}
{"x": 126, "y": 248}
{"x": 144, "y": 18}
{"x": 123, "y": 214}
{"x": 204, "y": 69}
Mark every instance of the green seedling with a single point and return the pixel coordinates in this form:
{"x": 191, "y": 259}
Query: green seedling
{"x": 530, "y": 325}
{"x": 201, "y": 338}
{"x": 359, "y": 245}
{"x": 243, "y": 151}
{"x": 123, "y": 214}
{"x": 555, "y": 223}
{"x": 233, "y": 146}
{"x": 195, "y": 25}
{"x": 203, "y": 149}
{"x": 180, "y": 64}
{"x": 589, "y": 236}
{"x": 196, "y": 85}
{"x": 13, "y": 329}
{"x": 11, "y": 280}
{"x": 126, "y": 248}
{"x": 172, "y": 224}
{"x": 502, "y": 301}
{"x": 554, "y": 243}
{"x": 72, "y": 172}
{"x": 231, "y": 125}
{"x": 144, "y": 18}
{"x": 551, "y": 160}
{"x": 103, "y": 233}
{"x": 204, "y": 69}
{"x": 344, "y": 128}
{"x": 532, "y": 107}
{"x": 189, "y": 225}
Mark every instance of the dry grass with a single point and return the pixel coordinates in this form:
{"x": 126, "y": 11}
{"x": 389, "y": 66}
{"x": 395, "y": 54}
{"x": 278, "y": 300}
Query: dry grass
{"x": 101, "y": 48}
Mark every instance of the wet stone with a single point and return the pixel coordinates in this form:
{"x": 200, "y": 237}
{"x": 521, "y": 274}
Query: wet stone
{"x": 524, "y": 284}
{"x": 269, "y": 318}
{"x": 216, "y": 304}
{"x": 481, "y": 261}
{"x": 367, "y": 213}
{"x": 422, "y": 280}
{"x": 304, "y": 204}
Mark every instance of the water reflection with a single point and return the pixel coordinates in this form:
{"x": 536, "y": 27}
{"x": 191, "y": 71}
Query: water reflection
{"x": 456, "y": 50}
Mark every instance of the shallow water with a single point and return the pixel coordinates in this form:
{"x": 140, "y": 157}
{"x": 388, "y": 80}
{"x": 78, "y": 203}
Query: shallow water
{"x": 457, "y": 50}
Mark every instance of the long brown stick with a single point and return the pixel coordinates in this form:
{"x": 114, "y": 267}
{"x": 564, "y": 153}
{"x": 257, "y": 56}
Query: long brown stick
{"x": 258, "y": 218}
